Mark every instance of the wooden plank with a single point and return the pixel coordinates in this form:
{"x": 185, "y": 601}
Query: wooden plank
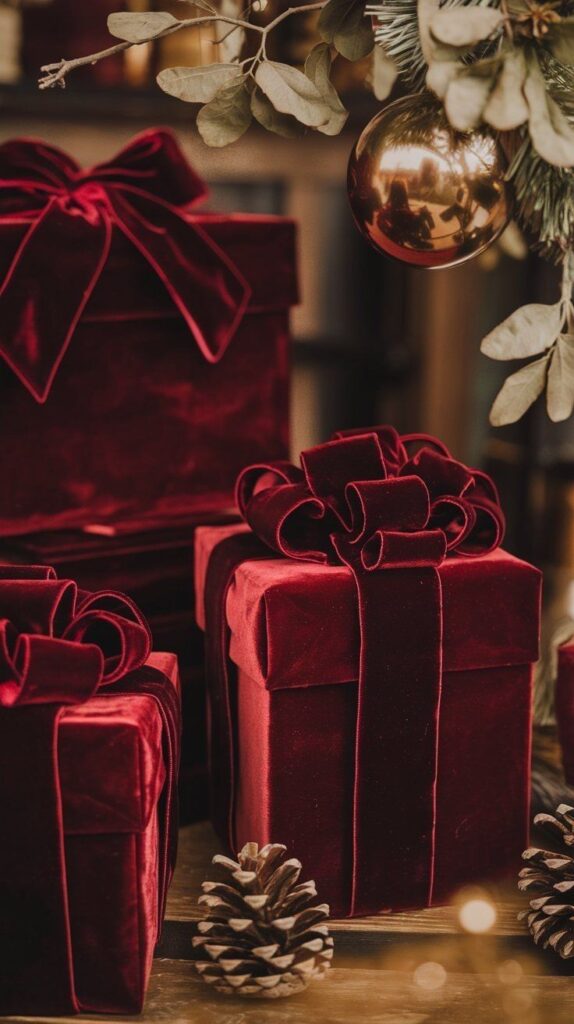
{"x": 368, "y": 996}
{"x": 198, "y": 844}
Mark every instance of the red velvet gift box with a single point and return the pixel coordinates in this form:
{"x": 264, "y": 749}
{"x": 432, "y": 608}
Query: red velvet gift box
{"x": 89, "y": 731}
{"x": 144, "y": 346}
{"x": 389, "y": 750}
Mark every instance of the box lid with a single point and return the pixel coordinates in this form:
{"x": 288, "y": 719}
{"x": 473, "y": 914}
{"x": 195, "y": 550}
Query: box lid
{"x": 110, "y": 758}
{"x": 295, "y": 623}
{"x": 262, "y": 247}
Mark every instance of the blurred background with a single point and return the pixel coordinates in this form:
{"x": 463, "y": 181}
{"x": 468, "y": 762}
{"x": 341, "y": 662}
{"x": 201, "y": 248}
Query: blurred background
{"x": 372, "y": 340}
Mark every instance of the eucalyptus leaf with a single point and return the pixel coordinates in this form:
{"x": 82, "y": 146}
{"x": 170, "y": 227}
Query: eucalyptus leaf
{"x": 561, "y": 40}
{"x": 440, "y": 74}
{"x": 560, "y": 394}
{"x": 519, "y": 392}
{"x": 281, "y": 124}
{"x": 291, "y": 92}
{"x": 507, "y": 108}
{"x": 385, "y": 73}
{"x": 197, "y": 84}
{"x": 468, "y": 93}
{"x": 318, "y": 70}
{"x": 139, "y": 27}
{"x": 344, "y": 24}
{"x": 465, "y": 26}
{"x": 551, "y": 133}
{"x": 226, "y": 117}
{"x": 527, "y": 332}
{"x": 231, "y": 46}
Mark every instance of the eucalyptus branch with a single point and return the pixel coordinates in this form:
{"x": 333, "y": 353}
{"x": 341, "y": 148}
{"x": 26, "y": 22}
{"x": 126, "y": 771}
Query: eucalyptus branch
{"x": 55, "y": 74}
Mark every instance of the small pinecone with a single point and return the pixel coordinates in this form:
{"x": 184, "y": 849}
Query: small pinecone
{"x": 262, "y": 933}
{"x": 550, "y": 878}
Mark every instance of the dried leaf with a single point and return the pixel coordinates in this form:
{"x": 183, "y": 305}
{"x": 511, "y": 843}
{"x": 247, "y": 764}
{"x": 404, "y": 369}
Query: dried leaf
{"x": 468, "y": 93}
{"x": 291, "y": 92}
{"x": 318, "y": 70}
{"x": 138, "y": 28}
{"x": 518, "y": 393}
{"x": 197, "y": 84}
{"x": 281, "y": 124}
{"x": 343, "y": 23}
{"x": 226, "y": 117}
{"x": 551, "y": 133}
{"x": 232, "y": 45}
{"x": 440, "y": 74}
{"x": 384, "y": 73}
{"x": 560, "y": 395}
{"x": 465, "y": 26}
{"x": 506, "y": 107}
{"x": 561, "y": 40}
{"x": 527, "y": 332}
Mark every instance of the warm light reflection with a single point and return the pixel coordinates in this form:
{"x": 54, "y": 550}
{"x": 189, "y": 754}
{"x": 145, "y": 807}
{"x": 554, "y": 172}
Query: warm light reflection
{"x": 517, "y": 1002}
{"x": 510, "y": 972}
{"x": 477, "y": 916}
{"x": 409, "y": 158}
{"x": 430, "y": 976}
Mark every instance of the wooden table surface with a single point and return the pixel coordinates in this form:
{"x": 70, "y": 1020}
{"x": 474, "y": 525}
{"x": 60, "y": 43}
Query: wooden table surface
{"x": 409, "y": 968}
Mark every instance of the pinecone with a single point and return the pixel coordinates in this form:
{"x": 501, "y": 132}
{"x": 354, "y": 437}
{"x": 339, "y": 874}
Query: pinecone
{"x": 262, "y": 933}
{"x": 550, "y": 877}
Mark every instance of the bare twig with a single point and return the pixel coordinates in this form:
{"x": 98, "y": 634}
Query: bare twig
{"x": 55, "y": 74}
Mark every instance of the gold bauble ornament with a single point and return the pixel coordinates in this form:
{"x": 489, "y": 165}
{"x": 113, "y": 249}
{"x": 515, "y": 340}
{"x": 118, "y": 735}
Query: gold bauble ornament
{"x": 423, "y": 193}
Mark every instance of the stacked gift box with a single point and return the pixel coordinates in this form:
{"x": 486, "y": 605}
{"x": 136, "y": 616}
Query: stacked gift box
{"x": 149, "y": 374}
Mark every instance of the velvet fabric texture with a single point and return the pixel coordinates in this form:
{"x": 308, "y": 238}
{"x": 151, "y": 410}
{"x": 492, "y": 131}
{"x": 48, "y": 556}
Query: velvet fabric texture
{"x": 564, "y": 703}
{"x": 150, "y": 333}
{"x": 89, "y": 733}
{"x": 155, "y": 568}
{"x": 389, "y": 509}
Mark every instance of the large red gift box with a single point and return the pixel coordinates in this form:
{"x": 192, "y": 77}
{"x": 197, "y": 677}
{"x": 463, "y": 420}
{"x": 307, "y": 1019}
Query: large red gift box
{"x": 144, "y": 346}
{"x": 89, "y": 729}
{"x": 389, "y": 750}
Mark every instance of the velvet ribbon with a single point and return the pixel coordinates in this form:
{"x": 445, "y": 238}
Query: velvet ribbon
{"x": 391, "y": 508}
{"x": 141, "y": 192}
{"x": 58, "y": 647}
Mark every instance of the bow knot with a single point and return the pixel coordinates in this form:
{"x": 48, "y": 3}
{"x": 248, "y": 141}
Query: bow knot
{"x": 144, "y": 193}
{"x": 373, "y": 500}
{"x": 59, "y": 644}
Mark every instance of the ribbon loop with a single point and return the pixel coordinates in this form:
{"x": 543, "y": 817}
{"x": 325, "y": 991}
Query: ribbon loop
{"x": 58, "y": 646}
{"x": 143, "y": 192}
{"x": 330, "y": 467}
{"x": 399, "y": 503}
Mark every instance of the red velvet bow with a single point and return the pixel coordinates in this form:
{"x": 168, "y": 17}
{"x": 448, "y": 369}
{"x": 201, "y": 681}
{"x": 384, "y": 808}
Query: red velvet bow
{"x": 141, "y": 192}
{"x": 371, "y": 499}
{"x": 59, "y": 645}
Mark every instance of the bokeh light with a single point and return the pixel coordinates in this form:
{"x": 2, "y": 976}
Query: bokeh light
{"x": 477, "y": 916}
{"x": 430, "y": 976}
{"x": 510, "y": 972}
